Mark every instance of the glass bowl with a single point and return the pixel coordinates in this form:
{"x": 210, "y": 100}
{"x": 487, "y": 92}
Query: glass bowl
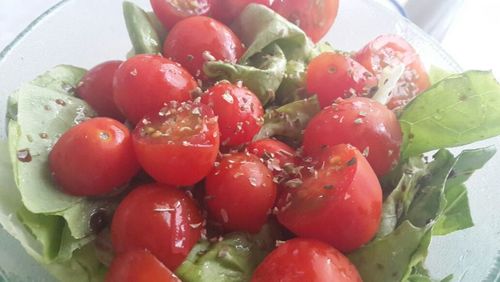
{"x": 87, "y": 32}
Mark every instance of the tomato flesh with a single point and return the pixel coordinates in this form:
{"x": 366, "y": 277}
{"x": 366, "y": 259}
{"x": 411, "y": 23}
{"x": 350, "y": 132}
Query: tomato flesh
{"x": 179, "y": 145}
{"x": 139, "y": 266}
{"x": 343, "y": 194}
{"x": 158, "y": 218}
{"x": 93, "y": 158}
{"x": 300, "y": 260}
{"x": 170, "y": 12}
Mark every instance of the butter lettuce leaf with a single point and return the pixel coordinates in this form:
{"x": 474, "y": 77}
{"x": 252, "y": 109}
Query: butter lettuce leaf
{"x": 141, "y": 30}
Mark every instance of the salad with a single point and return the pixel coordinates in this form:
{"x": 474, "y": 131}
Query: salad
{"x": 232, "y": 145}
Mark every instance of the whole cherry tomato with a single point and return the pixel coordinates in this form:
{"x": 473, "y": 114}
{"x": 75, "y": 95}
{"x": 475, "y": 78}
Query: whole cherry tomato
{"x": 96, "y": 88}
{"x": 240, "y": 112}
{"x": 390, "y": 51}
{"x": 333, "y": 75}
{"x": 361, "y": 122}
{"x": 144, "y": 83}
{"x": 158, "y": 218}
{"x": 139, "y": 266}
{"x": 196, "y": 40}
{"x": 276, "y": 155}
{"x": 178, "y": 145}
{"x": 340, "y": 203}
{"x": 93, "y": 158}
{"x": 315, "y": 17}
{"x": 227, "y": 10}
{"x": 301, "y": 260}
{"x": 240, "y": 193}
{"x": 170, "y": 12}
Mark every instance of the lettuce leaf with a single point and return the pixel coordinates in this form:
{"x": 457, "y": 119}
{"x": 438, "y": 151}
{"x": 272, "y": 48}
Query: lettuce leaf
{"x": 458, "y": 110}
{"x": 141, "y": 30}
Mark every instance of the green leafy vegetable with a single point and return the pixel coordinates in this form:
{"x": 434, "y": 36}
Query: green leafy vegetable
{"x": 289, "y": 120}
{"x": 459, "y": 110}
{"x": 262, "y": 73}
{"x": 232, "y": 259}
{"x": 437, "y": 74}
{"x": 142, "y": 32}
{"x": 293, "y": 86}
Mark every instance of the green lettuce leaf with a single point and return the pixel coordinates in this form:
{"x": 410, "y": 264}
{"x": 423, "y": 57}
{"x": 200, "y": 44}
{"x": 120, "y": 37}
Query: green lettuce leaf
{"x": 262, "y": 73}
{"x": 436, "y": 74}
{"x": 459, "y": 110}
{"x": 141, "y": 30}
{"x": 293, "y": 86}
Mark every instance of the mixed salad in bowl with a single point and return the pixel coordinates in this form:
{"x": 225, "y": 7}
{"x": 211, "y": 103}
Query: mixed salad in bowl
{"x": 231, "y": 146}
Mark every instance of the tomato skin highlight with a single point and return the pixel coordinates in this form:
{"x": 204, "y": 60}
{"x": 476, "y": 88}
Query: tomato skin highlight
{"x": 240, "y": 193}
{"x": 179, "y": 145}
{"x": 93, "y": 158}
{"x": 240, "y": 112}
{"x": 170, "y": 12}
{"x": 392, "y": 50}
{"x": 314, "y": 17}
{"x": 138, "y": 266}
{"x": 361, "y": 122}
{"x": 143, "y": 83}
{"x": 159, "y": 218}
{"x": 300, "y": 260}
{"x": 96, "y": 88}
{"x": 333, "y": 75}
{"x": 196, "y": 39}
{"x": 344, "y": 195}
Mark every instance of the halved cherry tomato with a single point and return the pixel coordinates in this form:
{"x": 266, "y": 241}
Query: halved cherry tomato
{"x": 139, "y": 266}
{"x": 240, "y": 112}
{"x": 169, "y": 12}
{"x": 340, "y": 204}
{"x": 96, "y": 88}
{"x": 179, "y": 145}
{"x": 276, "y": 155}
{"x": 240, "y": 193}
{"x": 195, "y": 40}
{"x": 158, "y": 218}
{"x": 301, "y": 260}
{"x": 93, "y": 158}
{"x": 390, "y": 51}
{"x": 227, "y": 10}
{"x": 335, "y": 75}
{"x": 144, "y": 83}
{"x": 361, "y": 122}
{"x": 313, "y": 16}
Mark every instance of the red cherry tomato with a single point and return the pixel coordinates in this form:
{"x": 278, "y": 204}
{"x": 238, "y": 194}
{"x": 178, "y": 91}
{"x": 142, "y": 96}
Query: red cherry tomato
{"x": 161, "y": 219}
{"x": 93, "y": 158}
{"x": 96, "y": 88}
{"x": 228, "y": 10}
{"x": 145, "y": 82}
{"x": 392, "y": 50}
{"x": 276, "y": 155}
{"x": 139, "y": 266}
{"x": 179, "y": 145}
{"x": 340, "y": 204}
{"x": 361, "y": 122}
{"x": 313, "y": 16}
{"x": 239, "y": 110}
{"x": 333, "y": 75}
{"x": 240, "y": 193}
{"x": 301, "y": 260}
{"x": 169, "y": 12}
{"x": 195, "y": 40}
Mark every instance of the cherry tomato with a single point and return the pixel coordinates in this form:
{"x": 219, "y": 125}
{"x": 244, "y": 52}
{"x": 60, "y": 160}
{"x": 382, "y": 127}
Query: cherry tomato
{"x": 227, "y": 10}
{"x": 195, "y": 40}
{"x": 239, "y": 110}
{"x": 301, "y": 260}
{"x": 159, "y": 218}
{"x": 169, "y": 12}
{"x": 361, "y": 122}
{"x": 96, "y": 88}
{"x": 276, "y": 155}
{"x": 389, "y": 51}
{"x": 313, "y": 16}
{"x": 179, "y": 145}
{"x": 145, "y": 82}
{"x": 93, "y": 158}
{"x": 340, "y": 204}
{"x": 240, "y": 193}
{"x": 334, "y": 75}
{"x": 139, "y": 266}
